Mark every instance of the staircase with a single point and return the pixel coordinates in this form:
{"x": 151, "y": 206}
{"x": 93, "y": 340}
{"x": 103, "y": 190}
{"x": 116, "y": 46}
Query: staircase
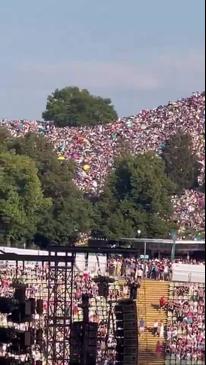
{"x": 149, "y": 295}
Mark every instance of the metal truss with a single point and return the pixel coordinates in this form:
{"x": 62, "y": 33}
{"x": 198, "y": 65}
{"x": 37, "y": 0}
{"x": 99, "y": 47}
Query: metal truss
{"x": 59, "y": 308}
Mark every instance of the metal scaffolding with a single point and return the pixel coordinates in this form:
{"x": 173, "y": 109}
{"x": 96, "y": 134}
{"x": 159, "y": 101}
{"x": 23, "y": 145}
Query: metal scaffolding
{"x": 60, "y": 261}
{"x": 59, "y": 308}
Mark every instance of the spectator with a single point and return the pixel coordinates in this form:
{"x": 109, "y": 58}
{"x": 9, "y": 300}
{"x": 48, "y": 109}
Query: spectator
{"x": 141, "y": 326}
{"x": 161, "y": 330}
{"x": 155, "y": 328}
{"x": 159, "y": 348}
{"x": 163, "y": 302}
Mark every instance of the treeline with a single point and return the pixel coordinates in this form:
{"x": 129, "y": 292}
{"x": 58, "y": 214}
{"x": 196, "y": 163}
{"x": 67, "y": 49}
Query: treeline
{"x": 40, "y": 204}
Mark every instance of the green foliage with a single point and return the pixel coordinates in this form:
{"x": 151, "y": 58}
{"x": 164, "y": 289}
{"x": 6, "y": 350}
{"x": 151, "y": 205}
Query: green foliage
{"x": 21, "y": 198}
{"x": 4, "y": 139}
{"x": 69, "y": 213}
{"x": 68, "y": 216}
{"x": 39, "y": 201}
{"x": 136, "y": 197}
{"x": 41, "y": 150}
{"x": 181, "y": 163}
{"x": 74, "y": 107}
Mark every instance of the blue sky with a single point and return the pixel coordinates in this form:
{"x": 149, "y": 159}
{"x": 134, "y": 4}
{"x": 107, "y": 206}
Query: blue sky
{"x": 139, "y": 53}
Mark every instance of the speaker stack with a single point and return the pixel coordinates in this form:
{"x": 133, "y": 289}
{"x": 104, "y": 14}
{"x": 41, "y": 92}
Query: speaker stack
{"x": 39, "y": 306}
{"x": 126, "y": 333}
{"x": 83, "y": 343}
{"x": 20, "y": 310}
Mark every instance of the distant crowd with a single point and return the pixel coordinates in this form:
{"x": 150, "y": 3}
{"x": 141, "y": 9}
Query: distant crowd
{"x": 94, "y": 148}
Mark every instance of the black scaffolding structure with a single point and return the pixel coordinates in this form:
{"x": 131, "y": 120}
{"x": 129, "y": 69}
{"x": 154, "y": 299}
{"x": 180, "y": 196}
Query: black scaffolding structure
{"x": 59, "y": 301}
{"x": 59, "y": 308}
{"x": 60, "y": 261}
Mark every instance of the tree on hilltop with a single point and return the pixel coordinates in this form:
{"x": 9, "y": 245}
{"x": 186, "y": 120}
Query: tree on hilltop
{"x": 72, "y": 106}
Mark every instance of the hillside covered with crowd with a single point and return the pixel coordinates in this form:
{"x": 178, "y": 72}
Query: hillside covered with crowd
{"x": 94, "y": 148}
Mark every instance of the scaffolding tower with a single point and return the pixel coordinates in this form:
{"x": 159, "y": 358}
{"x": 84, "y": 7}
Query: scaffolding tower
{"x": 59, "y": 308}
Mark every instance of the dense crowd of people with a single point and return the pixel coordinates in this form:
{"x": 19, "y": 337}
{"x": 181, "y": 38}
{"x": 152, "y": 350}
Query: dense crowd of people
{"x": 94, "y": 148}
{"x": 185, "y": 306}
{"x": 189, "y": 212}
{"x": 152, "y": 268}
{"x": 186, "y": 323}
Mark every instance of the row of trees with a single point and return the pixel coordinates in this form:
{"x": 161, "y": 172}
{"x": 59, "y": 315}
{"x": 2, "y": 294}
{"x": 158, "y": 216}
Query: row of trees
{"x": 40, "y": 180}
{"x": 39, "y": 202}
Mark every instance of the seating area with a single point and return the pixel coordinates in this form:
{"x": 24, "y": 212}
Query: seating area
{"x": 182, "y": 315}
{"x": 185, "y": 341}
{"x": 35, "y": 277}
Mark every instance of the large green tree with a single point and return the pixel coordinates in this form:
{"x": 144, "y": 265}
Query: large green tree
{"x": 70, "y": 213}
{"x": 22, "y": 203}
{"x": 41, "y": 150}
{"x": 182, "y": 165}
{"x": 72, "y": 106}
{"x": 136, "y": 197}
